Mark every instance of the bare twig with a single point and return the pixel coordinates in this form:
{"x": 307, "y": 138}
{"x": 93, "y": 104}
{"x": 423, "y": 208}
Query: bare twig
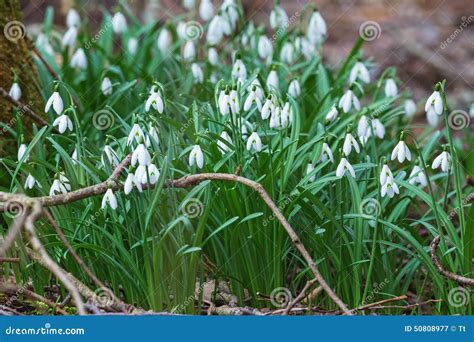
{"x": 450, "y": 275}
{"x": 300, "y": 296}
{"x": 26, "y": 108}
{"x": 12, "y": 260}
{"x": 13, "y": 231}
{"x": 46, "y": 64}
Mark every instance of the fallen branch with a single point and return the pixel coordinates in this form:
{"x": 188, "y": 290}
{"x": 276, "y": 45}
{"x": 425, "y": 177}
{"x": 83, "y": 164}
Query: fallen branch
{"x": 26, "y": 108}
{"x": 447, "y": 274}
{"x": 301, "y": 295}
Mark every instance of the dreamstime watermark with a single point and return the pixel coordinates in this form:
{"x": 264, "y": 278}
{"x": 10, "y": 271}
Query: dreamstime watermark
{"x": 193, "y": 30}
{"x": 459, "y": 119}
{"x": 13, "y": 120}
{"x": 282, "y": 29}
{"x": 458, "y": 297}
{"x": 103, "y": 119}
{"x": 370, "y": 30}
{"x": 14, "y": 208}
{"x": 468, "y": 199}
{"x": 46, "y": 330}
{"x": 14, "y": 31}
{"x": 15, "y": 297}
{"x": 281, "y": 206}
{"x": 466, "y": 21}
{"x": 281, "y": 297}
{"x": 192, "y": 208}
{"x": 370, "y": 207}
{"x": 376, "y": 288}
{"x": 190, "y": 299}
{"x": 102, "y": 297}
{"x": 88, "y": 44}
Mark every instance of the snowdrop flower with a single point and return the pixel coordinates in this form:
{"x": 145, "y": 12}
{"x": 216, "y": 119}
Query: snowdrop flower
{"x": 234, "y": 98}
{"x": 196, "y": 157}
{"x": 245, "y": 127}
{"x": 230, "y": 8}
{"x": 74, "y": 158}
{"x": 136, "y": 134}
{"x": 63, "y": 123}
{"x": 43, "y": 43}
{"x": 363, "y": 128}
{"x": 391, "y": 89}
{"x": 73, "y": 18}
{"x": 189, "y": 4}
{"x": 258, "y": 89}
{"x": 332, "y": 114}
{"x": 206, "y": 10}
{"x": 15, "y": 91}
{"x": 254, "y": 142}
{"x": 294, "y": 88}
{"x": 268, "y": 108}
{"x": 128, "y": 185}
{"x": 432, "y": 117}
{"x": 189, "y": 51}
{"x": 60, "y": 185}
{"x": 153, "y": 134}
{"x": 359, "y": 72}
{"x": 379, "y": 128}
{"x": 70, "y": 37}
{"x": 390, "y": 188}
{"x": 309, "y": 169}
{"x": 119, "y": 23}
{"x": 197, "y": 73}
{"x": 152, "y": 175}
{"x": 22, "y": 152}
{"x": 471, "y": 110}
{"x": 272, "y": 80}
{"x": 434, "y": 102}
{"x": 349, "y": 100}
{"x": 106, "y": 86}
{"x": 109, "y": 199}
{"x": 55, "y": 101}
{"x": 326, "y": 154}
{"x": 239, "y": 71}
{"x": 31, "y": 182}
{"x": 443, "y": 160}
{"x": 79, "y": 59}
{"x": 251, "y": 99}
{"x": 217, "y": 28}
{"x": 141, "y": 155}
{"x": 132, "y": 46}
{"x": 343, "y": 167}
{"x": 386, "y": 175}
{"x": 417, "y": 176}
{"x": 154, "y": 100}
{"x": 317, "y": 29}
{"x": 212, "y": 56}
{"x": 278, "y": 17}
{"x": 164, "y": 41}
{"x": 223, "y": 147}
{"x": 287, "y": 112}
{"x": 110, "y": 155}
{"x": 410, "y": 108}
{"x": 308, "y": 49}
{"x": 401, "y": 152}
{"x": 280, "y": 118}
{"x": 265, "y": 48}
{"x": 287, "y": 53}
{"x": 349, "y": 143}
{"x": 226, "y": 105}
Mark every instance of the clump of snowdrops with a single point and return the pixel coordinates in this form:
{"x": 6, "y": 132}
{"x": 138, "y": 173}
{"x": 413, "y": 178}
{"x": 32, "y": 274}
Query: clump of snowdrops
{"x": 365, "y": 188}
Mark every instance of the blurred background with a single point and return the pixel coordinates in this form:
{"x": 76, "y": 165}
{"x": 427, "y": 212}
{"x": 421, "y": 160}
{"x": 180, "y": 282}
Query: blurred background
{"x": 426, "y": 40}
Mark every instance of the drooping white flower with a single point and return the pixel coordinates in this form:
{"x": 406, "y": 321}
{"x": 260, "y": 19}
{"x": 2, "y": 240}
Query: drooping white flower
{"x": 119, "y": 23}
{"x": 136, "y": 134}
{"x": 332, "y": 114}
{"x": 258, "y": 89}
{"x": 359, "y": 72}
{"x": 111, "y": 156}
{"x": 254, "y": 142}
{"x": 239, "y": 71}
{"x": 317, "y": 29}
{"x": 349, "y": 143}
{"x": 401, "y": 152}
{"x": 379, "y": 128}
{"x": 391, "y": 89}
{"x": 432, "y": 117}
{"x": 268, "y": 108}
{"x": 326, "y": 154}
{"x": 234, "y": 98}
{"x": 74, "y": 158}
{"x": 245, "y": 127}
{"x": 154, "y": 100}
{"x": 287, "y": 53}
{"x": 410, "y": 108}
{"x": 272, "y": 80}
{"x": 418, "y": 176}
{"x": 189, "y": 4}
{"x": 206, "y": 10}
{"x": 106, "y": 86}
{"x": 294, "y": 88}
{"x": 251, "y": 99}
{"x": 435, "y": 102}
{"x": 15, "y": 91}
{"x": 265, "y": 48}
{"x": 227, "y": 105}
{"x": 22, "y": 152}
{"x": 31, "y": 182}
{"x": 73, "y": 18}
{"x": 70, "y": 37}
{"x": 109, "y": 199}
{"x": 198, "y": 74}
{"x": 363, "y": 128}
{"x": 132, "y": 46}
{"x": 344, "y": 167}
{"x": 230, "y": 8}
{"x": 56, "y": 101}
{"x": 79, "y": 59}
{"x": 278, "y": 18}
{"x": 223, "y": 147}
{"x": 60, "y": 185}
{"x": 213, "y": 56}
{"x": 349, "y": 100}
{"x": 151, "y": 175}
{"x": 141, "y": 155}
{"x": 43, "y": 43}
{"x": 280, "y": 118}
{"x": 189, "y": 51}
{"x": 471, "y": 110}
{"x": 164, "y": 41}
{"x": 63, "y": 122}
{"x": 287, "y": 112}
{"x": 310, "y": 169}
{"x": 443, "y": 160}
{"x": 386, "y": 175}
{"x": 128, "y": 185}
{"x": 217, "y": 28}
{"x": 390, "y": 189}
{"x": 196, "y": 157}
